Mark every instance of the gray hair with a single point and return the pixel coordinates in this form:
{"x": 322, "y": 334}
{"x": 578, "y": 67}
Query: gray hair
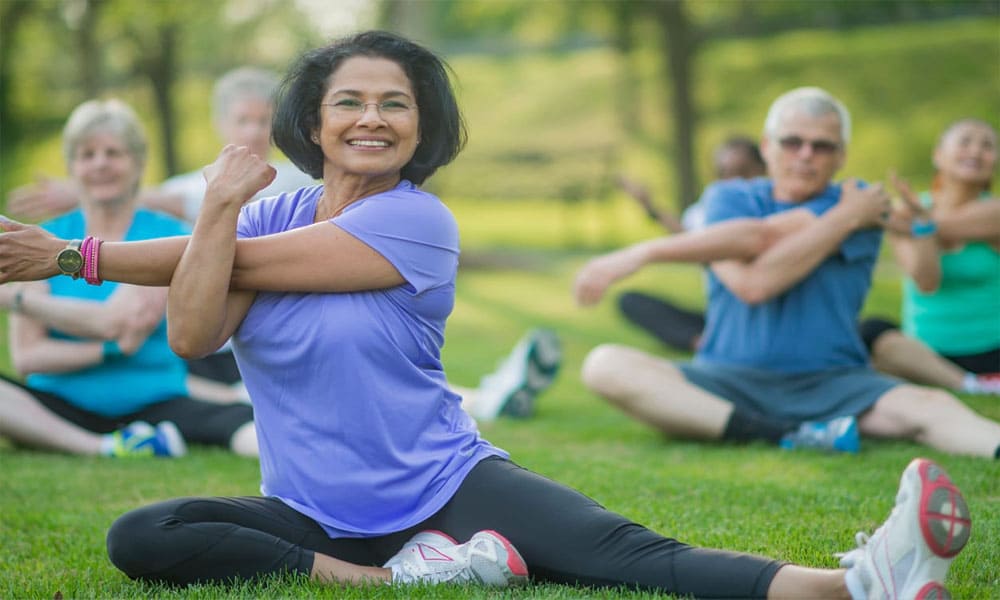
{"x": 104, "y": 116}
{"x": 244, "y": 82}
{"x": 815, "y": 102}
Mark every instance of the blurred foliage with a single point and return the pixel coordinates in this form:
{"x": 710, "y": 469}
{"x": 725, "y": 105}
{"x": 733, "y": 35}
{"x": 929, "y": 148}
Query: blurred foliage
{"x": 555, "y": 102}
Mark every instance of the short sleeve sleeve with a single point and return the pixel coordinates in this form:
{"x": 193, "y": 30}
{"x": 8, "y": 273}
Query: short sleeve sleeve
{"x": 726, "y": 200}
{"x": 413, "y": 230}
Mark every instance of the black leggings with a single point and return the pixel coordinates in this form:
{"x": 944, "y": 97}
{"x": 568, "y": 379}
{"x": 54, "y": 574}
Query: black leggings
{"x": 564, "y": 536}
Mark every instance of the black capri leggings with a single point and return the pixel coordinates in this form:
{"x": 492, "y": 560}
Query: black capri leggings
{"x": 564, "y": 536}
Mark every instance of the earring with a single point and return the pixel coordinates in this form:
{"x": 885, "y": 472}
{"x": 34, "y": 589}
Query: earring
{"x": 315, "y": 139}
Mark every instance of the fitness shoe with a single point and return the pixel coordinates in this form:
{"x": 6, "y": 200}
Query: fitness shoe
{"x": 529, "y": 369}
{"x": 432, "y": 557}
{"x": 427, "y": 543}
{"x": 142, "y": 439}
{"x": 908, "y": 556}
{"x": 836, "y": 435}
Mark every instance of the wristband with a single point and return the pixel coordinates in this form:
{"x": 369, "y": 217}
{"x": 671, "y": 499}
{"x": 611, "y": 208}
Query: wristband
{"x": 91, "y": 250}
{"x": 922, "y": 228}
{"x": 110, "y": 350}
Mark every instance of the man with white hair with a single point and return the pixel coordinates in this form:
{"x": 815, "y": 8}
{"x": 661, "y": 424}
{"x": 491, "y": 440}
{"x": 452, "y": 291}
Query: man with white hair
{"x": 790, "y": 262}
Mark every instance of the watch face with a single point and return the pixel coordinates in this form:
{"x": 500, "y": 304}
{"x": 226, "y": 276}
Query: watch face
{"x": 69, "y": 261}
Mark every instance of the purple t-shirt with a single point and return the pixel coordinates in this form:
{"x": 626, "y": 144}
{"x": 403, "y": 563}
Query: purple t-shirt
{"x": 356, "y": 424}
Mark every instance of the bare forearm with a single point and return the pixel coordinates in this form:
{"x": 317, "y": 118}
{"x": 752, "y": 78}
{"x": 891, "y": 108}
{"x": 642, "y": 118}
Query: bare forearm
{"x": 739, "y": 239}
{"x": 147, "y": 262}
{"x": 978, "y": 221}
{"x": 79, "y": 318}
{"x": 57, "y": 356}
{"x": 197, "y": 300}
{"x": 791, "y": 258}
{"x": 919, "y": 258}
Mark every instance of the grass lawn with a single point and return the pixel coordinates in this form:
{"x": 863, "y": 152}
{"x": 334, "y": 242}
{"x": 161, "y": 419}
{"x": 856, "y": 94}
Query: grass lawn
{"x": 801, "y": 507}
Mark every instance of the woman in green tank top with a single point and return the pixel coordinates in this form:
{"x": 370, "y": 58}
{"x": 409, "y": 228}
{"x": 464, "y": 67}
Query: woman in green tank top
{"x": 951, "y": 295}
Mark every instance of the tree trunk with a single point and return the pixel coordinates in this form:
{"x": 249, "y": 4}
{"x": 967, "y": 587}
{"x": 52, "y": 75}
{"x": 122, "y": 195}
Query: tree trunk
{"x": 681, "y": 44}
{"x": 160, "y": 66}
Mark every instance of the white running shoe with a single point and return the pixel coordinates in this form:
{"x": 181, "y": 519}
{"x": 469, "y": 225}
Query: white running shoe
{"x": 426, "y": 542}
{"x": 432, "y": 557}
{"x": 529, "y": 369}
{"x": 908, "y": 556}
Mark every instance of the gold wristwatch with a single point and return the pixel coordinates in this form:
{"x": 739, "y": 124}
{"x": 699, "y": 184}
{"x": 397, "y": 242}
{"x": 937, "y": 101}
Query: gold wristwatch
{"x": 70, "y": 259}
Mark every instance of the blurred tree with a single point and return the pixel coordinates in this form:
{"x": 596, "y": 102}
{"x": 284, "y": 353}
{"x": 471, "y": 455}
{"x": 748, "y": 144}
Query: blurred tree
{"x": 683, "y": 30}
{"x": 67, "y": 51}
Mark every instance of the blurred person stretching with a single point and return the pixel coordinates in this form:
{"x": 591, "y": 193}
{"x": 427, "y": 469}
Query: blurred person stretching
{"x": 790, "y": 263}
{"x": 101, "y": 378}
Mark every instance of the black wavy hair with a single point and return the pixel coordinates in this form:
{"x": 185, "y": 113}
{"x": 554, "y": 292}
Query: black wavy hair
{"x": 296, "y": 115}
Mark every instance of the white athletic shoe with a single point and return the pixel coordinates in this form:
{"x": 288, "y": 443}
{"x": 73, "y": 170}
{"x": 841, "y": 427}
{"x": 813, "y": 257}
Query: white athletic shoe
{"x": 426, "y": 542}
{"x": 908, "y": 556}
{"x": 529, "y": 369}
{"x": 433, "y": 557}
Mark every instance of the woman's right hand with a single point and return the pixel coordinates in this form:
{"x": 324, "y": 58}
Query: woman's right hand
{"x": 236, "y": 176}
{"x": 27, "y": 252}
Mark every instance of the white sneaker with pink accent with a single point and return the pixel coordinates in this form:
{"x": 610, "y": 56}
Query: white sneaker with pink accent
{"x": 909, "y": 555}
{"x": 435, "y": 557}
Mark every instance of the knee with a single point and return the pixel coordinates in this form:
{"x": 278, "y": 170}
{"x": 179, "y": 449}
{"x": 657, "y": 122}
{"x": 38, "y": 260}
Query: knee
{"x": 604, "y": 367}
{"x": 132, "y": 541}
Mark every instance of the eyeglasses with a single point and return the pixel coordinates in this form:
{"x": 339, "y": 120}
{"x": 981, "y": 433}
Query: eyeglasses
{"x": 794, "y": 143}
{"x": 355, "y": 108}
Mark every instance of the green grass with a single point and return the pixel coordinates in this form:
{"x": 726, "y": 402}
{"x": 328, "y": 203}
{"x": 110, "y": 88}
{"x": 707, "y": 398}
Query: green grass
{"x": 801, "y": 507}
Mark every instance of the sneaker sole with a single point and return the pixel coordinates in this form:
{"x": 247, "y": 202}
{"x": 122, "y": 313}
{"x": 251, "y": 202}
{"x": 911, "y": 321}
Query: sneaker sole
{"x": 515, "y": 563}
{"x": 945, "y": 520}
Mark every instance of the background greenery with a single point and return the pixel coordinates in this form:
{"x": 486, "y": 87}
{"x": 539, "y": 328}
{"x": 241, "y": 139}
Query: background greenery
{"x": 532, "y": 198}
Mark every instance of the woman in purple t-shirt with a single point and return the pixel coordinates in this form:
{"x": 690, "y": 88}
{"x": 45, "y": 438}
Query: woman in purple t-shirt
{"x": 336, "y": 297}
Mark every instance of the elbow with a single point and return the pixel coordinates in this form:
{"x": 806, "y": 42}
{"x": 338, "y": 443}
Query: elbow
{"x": 751, "y": 290}
{"x": 186, "y": 349}
{"x": 187, "y": 346}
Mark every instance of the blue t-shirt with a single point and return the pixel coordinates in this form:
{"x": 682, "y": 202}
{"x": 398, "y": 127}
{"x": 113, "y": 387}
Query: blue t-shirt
{"x": 356, "y": 424}
{"x": 810, "y": 327}
{"x": 126, "y": 384}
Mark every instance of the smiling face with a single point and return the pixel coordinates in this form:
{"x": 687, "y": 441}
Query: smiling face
{"x": 803, "y": 154}
{"x": 369, "y": 121}
{"x": 105, "y": 170}
{"x": 967, "y": 153}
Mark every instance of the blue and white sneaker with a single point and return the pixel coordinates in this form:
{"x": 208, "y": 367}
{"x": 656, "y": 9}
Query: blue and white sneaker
{"x": 835, "y": 435}
{"x": 909, "y": 555}
{"x": 142, "y": 439}
{"x": 527, "y": 371}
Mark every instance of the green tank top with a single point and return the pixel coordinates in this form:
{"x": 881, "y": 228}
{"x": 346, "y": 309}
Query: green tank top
{"x": 963, "y": 315}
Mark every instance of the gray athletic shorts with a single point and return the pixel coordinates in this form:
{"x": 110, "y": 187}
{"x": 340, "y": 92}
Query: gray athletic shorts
{"x": 814, "y": 396}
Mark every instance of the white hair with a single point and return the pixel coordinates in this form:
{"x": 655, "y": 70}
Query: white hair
{"x": 813, "y": 101}
{"x": 240, "y": 84}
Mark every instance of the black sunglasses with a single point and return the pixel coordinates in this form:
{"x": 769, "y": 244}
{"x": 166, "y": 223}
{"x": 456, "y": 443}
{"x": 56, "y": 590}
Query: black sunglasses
{"x": 794, "y": 143}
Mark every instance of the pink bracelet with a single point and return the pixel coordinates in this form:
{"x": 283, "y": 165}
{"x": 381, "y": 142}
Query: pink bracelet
{"x": 91, "y": 251}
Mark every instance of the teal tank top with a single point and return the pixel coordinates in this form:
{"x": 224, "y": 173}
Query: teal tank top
{"x": 963, "y": 316}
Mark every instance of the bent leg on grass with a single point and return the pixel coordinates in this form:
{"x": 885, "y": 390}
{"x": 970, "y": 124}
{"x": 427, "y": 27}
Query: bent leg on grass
{"x": 26, "y": 421}
{"x": 932, "y": 417}
{"x": 655, "y": 392}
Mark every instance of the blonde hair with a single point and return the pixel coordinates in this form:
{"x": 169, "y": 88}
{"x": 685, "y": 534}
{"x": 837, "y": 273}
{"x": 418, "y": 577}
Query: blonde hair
{"x": 99, "y": 116}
